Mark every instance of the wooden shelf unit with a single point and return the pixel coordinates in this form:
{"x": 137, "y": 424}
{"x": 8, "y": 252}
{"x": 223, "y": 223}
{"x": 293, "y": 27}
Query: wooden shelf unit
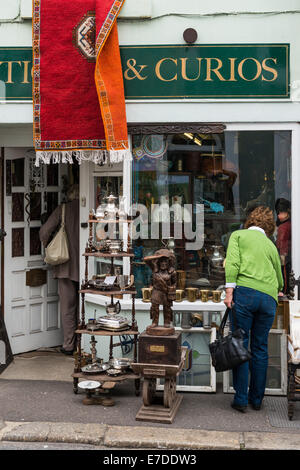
{"x": 82, "y": 330}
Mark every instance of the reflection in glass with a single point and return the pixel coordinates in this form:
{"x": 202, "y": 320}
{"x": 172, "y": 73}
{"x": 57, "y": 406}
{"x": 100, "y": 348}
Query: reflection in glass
{"x": 52, "y": 175}
{"x": 35, "y": 206}
{"x": 17, "y": 207}
{"x": 35, "y": 244}
{"x": 274, "y": 371}
{"x": 17, "y": 169}
{"x": 228, "y": 173}
{"x": 105, "y": 186}
{"x": 52, "y": 202}
{"x": 17, "y": 242}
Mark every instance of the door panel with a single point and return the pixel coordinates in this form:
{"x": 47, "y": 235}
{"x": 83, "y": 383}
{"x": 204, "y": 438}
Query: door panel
{"x": 31, "y": 312}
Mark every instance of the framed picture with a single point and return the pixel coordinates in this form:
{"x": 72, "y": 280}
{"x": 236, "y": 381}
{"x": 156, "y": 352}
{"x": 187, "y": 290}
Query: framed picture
{"x": 198, "y": 374}
{"x": 277, "y": 368}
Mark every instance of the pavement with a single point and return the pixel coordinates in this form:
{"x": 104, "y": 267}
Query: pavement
{"x": 37, "y": 404}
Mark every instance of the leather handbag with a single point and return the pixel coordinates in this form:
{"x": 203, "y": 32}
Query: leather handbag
{"x": 228, "y": 352}
{"x": 57, "y": 252}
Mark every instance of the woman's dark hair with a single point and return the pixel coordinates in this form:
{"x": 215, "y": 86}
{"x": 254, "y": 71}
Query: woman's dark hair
{"x": 262, "y": 217}
{"x": 283, "y": 205}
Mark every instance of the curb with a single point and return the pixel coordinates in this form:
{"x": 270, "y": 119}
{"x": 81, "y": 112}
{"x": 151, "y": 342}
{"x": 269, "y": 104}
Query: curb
{"x": 136, "y": 437}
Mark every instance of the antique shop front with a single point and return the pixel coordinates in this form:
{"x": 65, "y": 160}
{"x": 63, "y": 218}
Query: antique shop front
{"x": 213, "y": 128}
{"x": 210, "y": 162}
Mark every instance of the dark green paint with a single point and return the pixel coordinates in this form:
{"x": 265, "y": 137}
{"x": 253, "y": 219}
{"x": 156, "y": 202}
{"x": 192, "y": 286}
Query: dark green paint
{"x": 151, "y": 87}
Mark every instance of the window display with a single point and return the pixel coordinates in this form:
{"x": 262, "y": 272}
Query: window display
{"x": 223, "y": 176}
{"x": 106, "y": 190}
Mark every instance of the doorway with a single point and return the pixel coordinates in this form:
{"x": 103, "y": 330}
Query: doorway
{"x": 31, "y": 302}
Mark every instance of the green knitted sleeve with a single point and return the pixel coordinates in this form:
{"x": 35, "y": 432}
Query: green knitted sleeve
{"x": 233, "y": 259}
{"x": 277, "y": 267}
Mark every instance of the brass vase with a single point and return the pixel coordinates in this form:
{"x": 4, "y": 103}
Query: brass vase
{"x": 181, "y": 278}
{"x": 179, "y": 295}
{"x": 204, "y": 293}
{"x": 191, "y": 293}
{"x": 216, "y": 295}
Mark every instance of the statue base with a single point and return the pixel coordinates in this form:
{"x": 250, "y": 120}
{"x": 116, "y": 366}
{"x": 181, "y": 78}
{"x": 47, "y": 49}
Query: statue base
{"x": 158, "y": 413}
{"x": 160, "y": 330}
{"x": 157, "y": 407}
{"x": 159, "y": 349}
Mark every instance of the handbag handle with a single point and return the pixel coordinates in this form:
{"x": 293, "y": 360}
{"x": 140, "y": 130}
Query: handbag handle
{"x": 224, "y": 320}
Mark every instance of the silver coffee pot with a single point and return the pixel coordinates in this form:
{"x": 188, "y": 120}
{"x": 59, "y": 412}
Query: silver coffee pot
{"x": 111, "y": 210}
{"x": 108, "y": 210}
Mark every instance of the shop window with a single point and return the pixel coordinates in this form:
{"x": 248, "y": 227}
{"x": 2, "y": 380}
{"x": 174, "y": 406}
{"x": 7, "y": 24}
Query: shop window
{"x": 52, "y": 175}
{"x": 17, "y": 170}
{"x": 51, "y": 202}
{"x": 35, "y": 243}
{"x": 17, "y": 242}
{"x": 220, "y": 175}
{"x": 35, "y": 206}
{"x": 105, "y": 186}
{"x": 17, "y": 207}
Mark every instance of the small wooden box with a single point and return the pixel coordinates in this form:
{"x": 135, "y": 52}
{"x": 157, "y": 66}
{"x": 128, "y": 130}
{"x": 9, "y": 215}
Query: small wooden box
{"x": 159, "y": 349}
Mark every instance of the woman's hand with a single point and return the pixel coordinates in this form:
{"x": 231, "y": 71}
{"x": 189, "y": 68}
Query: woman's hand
{"x": 229, "y": 297}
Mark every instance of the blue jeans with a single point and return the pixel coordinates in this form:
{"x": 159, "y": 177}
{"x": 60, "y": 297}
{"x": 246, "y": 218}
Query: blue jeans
{"x": 255, "y": 313}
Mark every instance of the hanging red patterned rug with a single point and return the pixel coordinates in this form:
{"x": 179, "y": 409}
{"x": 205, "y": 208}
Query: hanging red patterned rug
{"x": 78, "y": 92}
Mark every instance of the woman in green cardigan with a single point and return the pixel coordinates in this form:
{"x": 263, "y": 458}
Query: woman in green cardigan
{"x": 253, "y": 283}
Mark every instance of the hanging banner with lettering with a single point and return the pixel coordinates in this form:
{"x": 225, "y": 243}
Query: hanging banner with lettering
{"x": 218, "y": 71}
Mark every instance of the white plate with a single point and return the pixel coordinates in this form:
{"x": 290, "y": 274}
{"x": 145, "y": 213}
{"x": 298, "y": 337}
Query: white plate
{"x": 89, "y": 384}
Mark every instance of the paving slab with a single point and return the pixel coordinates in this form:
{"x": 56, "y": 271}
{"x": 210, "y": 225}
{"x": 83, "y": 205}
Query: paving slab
{"x": 55, "y": 432}
{"x": 76, "y": 433}
{"x": 162, "y": 438}
{"x": 29, "y": 432}
{"x": 271, "y": 441}
{"x": 41, "y": 367}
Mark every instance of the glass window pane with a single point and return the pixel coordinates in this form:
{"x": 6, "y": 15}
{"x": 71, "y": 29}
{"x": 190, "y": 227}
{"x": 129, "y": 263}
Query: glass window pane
{"x": 35, "y": 244}
{"x": 197, "y": 369}
{"x": 52, "y": 175}
{"x": 225, "y": 175}
{"x": 35, "y": 206}
{"x": 17, "y": 169}
{"x": 52, "y": 202}
{"x": 17, "y": 207}
{"x": 274, "y": 363}
{"x": 17, "y": 248}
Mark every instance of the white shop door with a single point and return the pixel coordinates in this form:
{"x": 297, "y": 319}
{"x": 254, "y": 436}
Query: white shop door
{"x": 31, "y": 311}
